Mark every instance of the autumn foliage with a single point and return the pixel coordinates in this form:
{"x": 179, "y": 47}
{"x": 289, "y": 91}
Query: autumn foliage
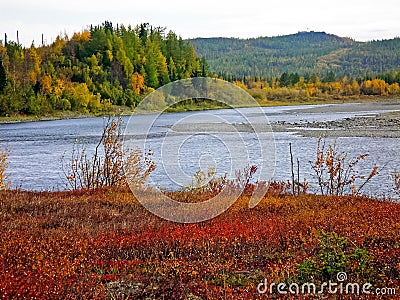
{"x": 95, "y": 71}
{"x": 103, "y": 244}
{"x": 295, "y": 87}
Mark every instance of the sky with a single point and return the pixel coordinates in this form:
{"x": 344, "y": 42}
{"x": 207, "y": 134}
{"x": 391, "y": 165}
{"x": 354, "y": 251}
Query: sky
{"x": 361, "y": 20}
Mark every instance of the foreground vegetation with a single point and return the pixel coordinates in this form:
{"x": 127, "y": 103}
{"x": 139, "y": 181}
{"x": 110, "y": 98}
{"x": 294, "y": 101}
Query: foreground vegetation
{"x": 98, "y": 242}
{"x": 103, "y": 244}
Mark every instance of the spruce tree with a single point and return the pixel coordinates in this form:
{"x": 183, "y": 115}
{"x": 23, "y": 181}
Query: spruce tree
{"x": 3, "y": 76}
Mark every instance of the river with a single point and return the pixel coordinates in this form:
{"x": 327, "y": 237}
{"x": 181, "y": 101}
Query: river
{"x": 37, "y": 149}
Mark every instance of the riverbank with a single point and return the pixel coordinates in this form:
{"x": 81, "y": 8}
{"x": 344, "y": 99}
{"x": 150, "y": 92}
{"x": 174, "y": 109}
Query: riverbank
{"x": 64, "y": 115}
{"x": 123, "y": 110}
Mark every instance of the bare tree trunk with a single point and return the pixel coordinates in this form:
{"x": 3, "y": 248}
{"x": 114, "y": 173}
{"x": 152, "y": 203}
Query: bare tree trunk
{"x": 292, "y": 167}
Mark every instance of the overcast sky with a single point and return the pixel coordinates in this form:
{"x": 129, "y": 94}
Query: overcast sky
{"x": 361, "y": 20}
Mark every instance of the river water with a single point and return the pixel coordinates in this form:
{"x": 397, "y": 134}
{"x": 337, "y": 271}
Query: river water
{"x": 37, "y": 149}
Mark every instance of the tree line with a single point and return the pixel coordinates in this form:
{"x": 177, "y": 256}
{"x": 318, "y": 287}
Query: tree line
{"x": 107, "y": 66}
{"x": 94, "y": 70}
{"x": 292, "y": 86}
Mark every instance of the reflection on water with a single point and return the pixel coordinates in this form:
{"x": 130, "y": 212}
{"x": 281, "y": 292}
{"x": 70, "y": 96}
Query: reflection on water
{"x": 36, "y": 148}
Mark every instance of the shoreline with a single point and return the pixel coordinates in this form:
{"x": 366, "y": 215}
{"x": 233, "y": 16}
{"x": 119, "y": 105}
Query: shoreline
{"x": 124, "y": 111}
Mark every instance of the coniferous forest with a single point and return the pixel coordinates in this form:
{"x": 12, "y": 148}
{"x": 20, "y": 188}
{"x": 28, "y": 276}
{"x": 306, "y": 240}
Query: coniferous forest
{"x": 303, "y": 53}
{"x": 93, "y": 70}
{"x": 112, "y": 67}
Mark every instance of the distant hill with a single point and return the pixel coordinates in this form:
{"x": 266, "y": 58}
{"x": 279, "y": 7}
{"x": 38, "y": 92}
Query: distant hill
{"x": 303, "y": 52}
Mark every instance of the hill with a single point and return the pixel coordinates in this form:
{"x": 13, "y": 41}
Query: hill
{"x": 303, "y": 53}
{"x": 94, "y": 70}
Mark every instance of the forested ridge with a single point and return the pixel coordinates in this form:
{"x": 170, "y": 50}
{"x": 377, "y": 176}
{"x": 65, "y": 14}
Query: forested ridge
{"x": 303, "y": 53}
{"x": 106, "y": 67}
{"x": 304, "y": 66}
{"x": 93, "y": 70}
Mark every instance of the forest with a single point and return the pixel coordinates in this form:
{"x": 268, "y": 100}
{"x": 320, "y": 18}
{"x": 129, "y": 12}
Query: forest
{"x": 94, "y": 70}
{"x": 291, "y": 87}
{"x": 108, "y": 68}
{"x": 303, "y": 52}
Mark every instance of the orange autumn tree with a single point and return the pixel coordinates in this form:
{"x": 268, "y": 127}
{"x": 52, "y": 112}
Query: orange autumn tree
{"x": 83, "y": 36}
{"x": 138, "y": 83}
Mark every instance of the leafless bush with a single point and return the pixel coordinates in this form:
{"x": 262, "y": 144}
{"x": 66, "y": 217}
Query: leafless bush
{"x": 110, "y": 164}
{"x": 208, "y": 183}
{"x": 138, "y": 168}
{"x": 336, "y": 174}
{"x": 244, "y": 179}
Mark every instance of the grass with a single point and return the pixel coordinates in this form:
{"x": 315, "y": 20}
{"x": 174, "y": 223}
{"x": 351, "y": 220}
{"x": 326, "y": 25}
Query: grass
{"x": 104, "y": 244}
